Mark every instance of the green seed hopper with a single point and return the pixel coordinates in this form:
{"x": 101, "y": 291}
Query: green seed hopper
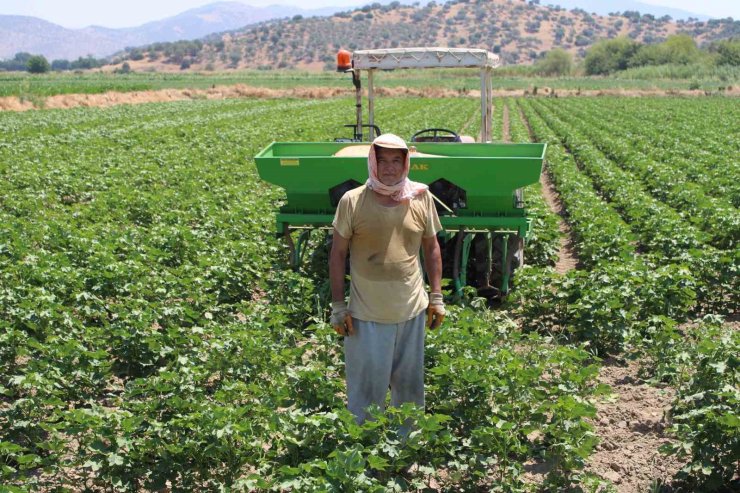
{"x": 477, "y": 186}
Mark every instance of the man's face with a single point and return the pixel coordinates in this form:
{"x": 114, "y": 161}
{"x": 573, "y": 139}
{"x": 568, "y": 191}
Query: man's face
{"x": 390, "y": 165}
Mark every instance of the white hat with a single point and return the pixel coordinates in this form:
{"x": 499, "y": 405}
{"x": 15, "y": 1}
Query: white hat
{"x": 390, "y": 141}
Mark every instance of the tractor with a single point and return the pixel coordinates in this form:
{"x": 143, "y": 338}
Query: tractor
{"x": 477, "y": 184}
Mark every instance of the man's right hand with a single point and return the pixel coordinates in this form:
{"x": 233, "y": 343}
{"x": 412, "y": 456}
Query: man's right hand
{"x": 435, "y": 311}
{"x": 341, "y": 319}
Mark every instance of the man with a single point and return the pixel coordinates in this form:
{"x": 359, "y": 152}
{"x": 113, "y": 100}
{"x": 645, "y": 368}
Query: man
{"x": 384, "y": 223}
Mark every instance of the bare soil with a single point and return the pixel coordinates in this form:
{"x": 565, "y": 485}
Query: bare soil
{"x": 567, "y": 253}
{"x": 505, "y": 131}
{"x": 632, "y": 426}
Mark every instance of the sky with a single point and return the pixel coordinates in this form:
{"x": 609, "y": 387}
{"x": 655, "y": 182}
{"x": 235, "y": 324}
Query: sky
{"x": 712, "y": 8}
{"x": 129, "y": 13}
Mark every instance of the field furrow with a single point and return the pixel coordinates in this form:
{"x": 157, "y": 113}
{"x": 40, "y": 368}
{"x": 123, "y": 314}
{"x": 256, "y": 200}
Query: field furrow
{"x": 601, "y": 233}
{"x": 544, "y": 242}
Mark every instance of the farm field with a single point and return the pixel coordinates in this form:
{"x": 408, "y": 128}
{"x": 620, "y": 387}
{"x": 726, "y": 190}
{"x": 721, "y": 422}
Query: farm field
{"x": 152, "y": 337}
{"x": 25, "y": 85}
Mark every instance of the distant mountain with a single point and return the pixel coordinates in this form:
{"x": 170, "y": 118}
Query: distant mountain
{"x": 604, "y": 7}
{"x": 37, "y": 36}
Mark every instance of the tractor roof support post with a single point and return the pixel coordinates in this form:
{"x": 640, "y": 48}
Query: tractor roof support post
{"x": 486, "y": 100}
{"x": 370, "y": 99}
{"x": 358, "y": 102}
{"x": 489, "y": 101}
{"x": 486, "y": 104}
{"x": 483, "y": 112}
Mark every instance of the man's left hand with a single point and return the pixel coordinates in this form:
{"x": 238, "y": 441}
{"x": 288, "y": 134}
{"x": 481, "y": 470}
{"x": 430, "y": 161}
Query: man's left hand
{"x": 341, "y": 319}
{"x": 435, "y": 310}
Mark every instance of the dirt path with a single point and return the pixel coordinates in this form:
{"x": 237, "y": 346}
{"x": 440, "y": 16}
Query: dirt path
{"x": 567, "y": 254}
{"x": 631, "y": 428}
{"x": 505, "y": 131}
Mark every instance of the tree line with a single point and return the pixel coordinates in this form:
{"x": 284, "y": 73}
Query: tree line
{"x": 606, "y": 57}
{"x": 38, "y": 64}
{"x": 610, "y": 56}
{"x": 613, "y": 55}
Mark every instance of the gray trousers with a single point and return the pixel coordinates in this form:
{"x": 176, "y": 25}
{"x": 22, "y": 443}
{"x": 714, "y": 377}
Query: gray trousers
{"x": 379, "y": 356}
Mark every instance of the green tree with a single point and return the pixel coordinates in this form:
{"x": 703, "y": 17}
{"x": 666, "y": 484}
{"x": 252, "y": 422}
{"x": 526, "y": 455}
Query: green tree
{"x": 679, "y": 49}
{"x": 85, "y": 63}
{"x": 557, "y": 62}
{"x": 38, "y": 64}
{"x": 60, "y": 64}
{"x": 22, "y": 57}
{"x": 728, "y": 52}
{"x": 610, "y": 55}
{"x": 135, "y": 53}
{"x": 18, "y": 62}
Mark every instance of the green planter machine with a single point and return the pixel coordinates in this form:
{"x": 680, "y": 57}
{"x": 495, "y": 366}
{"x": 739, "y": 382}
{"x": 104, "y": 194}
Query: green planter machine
{"x": 476, "y": 185}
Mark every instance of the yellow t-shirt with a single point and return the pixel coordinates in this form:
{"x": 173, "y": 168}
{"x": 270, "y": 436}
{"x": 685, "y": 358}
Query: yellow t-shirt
{"x": 387, "y": 285}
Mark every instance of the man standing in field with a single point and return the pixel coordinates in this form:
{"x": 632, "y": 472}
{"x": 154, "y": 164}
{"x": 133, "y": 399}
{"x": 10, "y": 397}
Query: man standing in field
{"x": 384, "y": 224}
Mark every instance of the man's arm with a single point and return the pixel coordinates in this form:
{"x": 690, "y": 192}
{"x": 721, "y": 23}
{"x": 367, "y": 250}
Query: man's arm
{"x": 337, "y": 262}
{"x": 341, "y": 319}
{"x": 433, "y": 263}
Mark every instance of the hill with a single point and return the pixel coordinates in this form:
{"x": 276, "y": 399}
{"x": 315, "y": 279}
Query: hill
{"x": 520, "y": 31}
{"x": 37, "y": 36}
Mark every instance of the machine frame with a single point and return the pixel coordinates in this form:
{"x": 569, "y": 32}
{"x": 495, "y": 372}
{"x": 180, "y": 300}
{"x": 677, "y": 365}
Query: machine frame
{"x": 421, "y": 58}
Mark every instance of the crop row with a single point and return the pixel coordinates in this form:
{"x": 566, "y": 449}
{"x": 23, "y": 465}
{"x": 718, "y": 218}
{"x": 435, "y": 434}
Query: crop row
{"x": 659, "y": 227}
{"x": 601, "y": 233}
{"x": 405, "y": 116}
{"x": 686, "y": 134}
{"x": 696, "y": 128}
{"x": 639, "y": 304}
{"x": 715, "y": 216}
{"x": 119, "y": 245}
{"x": 543, "y": 243}
{"x": 661, "y": 230}
{"x": 701, "y": 363}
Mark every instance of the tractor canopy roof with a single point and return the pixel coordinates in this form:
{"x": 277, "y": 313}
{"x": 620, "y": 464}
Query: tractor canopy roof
{"x": 393, "y": 58}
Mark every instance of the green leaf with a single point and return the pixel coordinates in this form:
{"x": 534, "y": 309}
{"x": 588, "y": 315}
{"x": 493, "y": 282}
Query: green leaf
{"x": 377, "y": 463}
{"x": 93, "y": 464}
{"x": 115, "y": 460}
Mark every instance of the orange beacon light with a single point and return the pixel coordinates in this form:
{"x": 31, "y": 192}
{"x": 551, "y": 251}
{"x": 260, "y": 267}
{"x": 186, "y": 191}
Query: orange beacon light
{"x": 344, "y": 61}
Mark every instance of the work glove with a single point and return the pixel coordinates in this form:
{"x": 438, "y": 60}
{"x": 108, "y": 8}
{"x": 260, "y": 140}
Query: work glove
{"x": 341, "y": 319}
{"x": 435, "y": 310}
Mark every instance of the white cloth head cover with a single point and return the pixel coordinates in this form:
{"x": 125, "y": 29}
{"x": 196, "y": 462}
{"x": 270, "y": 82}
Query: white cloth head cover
{"x": 404, "y": 189}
